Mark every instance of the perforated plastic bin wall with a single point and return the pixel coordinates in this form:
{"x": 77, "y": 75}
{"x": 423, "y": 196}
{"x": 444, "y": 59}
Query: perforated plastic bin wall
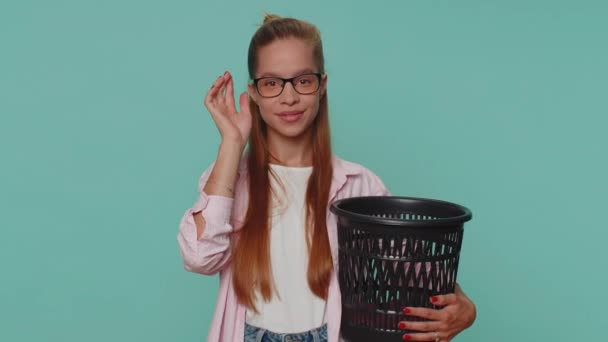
{"x": 394, "y": 252}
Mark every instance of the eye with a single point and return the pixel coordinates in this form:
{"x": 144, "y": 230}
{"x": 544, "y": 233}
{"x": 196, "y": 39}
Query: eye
{"x": 270, "y": 82}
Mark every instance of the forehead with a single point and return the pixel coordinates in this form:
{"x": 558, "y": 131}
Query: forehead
{"x": 285, "y": 58}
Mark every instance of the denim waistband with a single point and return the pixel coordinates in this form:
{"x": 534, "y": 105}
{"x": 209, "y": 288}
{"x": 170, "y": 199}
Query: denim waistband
{"x": 256, "y": 334}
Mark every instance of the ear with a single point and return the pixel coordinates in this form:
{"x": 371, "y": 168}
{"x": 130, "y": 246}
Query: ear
{"x": 323, "y": 84}
{"x": 252, "y": 92}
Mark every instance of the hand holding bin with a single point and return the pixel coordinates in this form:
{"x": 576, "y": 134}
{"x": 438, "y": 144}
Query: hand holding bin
{"x": 394, "y": 252}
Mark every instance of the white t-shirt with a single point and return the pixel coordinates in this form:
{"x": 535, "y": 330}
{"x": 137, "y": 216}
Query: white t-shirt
{"x": 296, "y": 308}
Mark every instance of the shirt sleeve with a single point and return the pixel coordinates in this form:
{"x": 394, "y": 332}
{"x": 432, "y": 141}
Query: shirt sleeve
{"x": 211, "y": 253}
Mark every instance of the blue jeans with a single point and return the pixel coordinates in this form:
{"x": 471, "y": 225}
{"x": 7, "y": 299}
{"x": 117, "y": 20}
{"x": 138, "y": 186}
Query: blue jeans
{"x": 255, "y": 334}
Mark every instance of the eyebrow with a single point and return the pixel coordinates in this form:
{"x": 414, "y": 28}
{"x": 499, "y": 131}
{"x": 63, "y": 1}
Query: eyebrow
{"x": 299, "y": 72}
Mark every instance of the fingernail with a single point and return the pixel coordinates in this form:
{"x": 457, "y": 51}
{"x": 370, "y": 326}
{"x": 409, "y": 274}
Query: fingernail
{"x": 406, "y": 311}
{"x": 401, "y": 325}
{"x": 407, "y": 337}
{"x": 434, "y": 299}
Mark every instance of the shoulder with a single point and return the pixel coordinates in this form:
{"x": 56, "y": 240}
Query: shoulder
{"x": 358, "y": 180}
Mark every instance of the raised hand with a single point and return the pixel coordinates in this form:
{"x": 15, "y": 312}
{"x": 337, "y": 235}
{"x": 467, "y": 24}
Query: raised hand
{"x": 233, "y": 126}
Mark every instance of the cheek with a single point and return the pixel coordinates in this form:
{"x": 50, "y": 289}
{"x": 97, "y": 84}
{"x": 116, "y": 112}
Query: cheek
{"x": 265, "y": 110}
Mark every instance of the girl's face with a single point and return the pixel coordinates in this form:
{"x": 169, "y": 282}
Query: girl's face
{"x": 290, "y": 114}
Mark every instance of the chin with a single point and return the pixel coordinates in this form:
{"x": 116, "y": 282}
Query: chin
{"x": 291, "y": 132}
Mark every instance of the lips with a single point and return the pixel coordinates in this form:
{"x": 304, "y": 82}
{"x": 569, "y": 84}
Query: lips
{"x": 291, "y": 116}
{"x": 291, "y": 113}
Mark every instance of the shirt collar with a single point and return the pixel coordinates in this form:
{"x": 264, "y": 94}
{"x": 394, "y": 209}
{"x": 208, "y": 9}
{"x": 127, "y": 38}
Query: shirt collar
{"x": 341, "y": 167}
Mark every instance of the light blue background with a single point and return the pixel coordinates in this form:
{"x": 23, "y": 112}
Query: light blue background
{"x": 499, "y": 106}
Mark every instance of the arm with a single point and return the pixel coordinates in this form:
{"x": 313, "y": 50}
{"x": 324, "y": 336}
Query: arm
{"x": 203, "y": 237}
{"x": 220, "y": 183}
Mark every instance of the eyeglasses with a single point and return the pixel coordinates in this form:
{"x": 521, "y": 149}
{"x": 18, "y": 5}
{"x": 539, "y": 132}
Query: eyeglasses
{"x": 273, "y": 86}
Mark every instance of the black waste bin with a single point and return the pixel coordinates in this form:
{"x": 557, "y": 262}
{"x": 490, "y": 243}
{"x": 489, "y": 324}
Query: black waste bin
{"x": 394, "y": 252}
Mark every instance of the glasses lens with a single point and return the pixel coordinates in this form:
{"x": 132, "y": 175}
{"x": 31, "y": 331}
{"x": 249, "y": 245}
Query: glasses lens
{"x": 269, "y": 86}
{"x": 306, "y": 84}
{"x": 303, "y": 84}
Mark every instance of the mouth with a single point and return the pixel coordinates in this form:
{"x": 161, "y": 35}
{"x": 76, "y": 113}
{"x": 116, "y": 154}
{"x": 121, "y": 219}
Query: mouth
{"x": 291, "y": 116}
{"x": 294, "y": 112}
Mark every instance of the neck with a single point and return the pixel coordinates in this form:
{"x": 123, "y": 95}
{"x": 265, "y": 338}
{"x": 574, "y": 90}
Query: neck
{"x": 296, "y": 152}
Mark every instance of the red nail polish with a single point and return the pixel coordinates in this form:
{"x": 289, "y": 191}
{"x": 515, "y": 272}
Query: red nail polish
{"x": 406, "y": 311}
{"x": 407, "y": 337}
{"x": 401, "y": 325}
{"x": 434, "y": 299}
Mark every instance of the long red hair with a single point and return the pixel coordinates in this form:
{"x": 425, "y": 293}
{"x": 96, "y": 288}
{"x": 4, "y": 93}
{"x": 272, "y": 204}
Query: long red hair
{"x": 251, "y": 252}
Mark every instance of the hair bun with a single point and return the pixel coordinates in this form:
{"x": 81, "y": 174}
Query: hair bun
{"x": 270, "y": 17}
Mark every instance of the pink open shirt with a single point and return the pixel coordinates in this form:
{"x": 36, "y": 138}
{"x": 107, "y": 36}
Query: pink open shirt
{"x": 211, "y": 253}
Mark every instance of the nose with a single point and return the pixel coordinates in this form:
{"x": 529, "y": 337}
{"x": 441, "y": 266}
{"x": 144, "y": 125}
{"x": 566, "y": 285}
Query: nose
{"x": 289, "y": 94}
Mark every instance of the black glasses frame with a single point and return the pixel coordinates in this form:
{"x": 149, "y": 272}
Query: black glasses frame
{"x": 290, "y": 80}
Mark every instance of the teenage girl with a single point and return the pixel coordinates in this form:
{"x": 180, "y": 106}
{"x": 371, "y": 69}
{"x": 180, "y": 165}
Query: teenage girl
{"x": 262, "y": 220}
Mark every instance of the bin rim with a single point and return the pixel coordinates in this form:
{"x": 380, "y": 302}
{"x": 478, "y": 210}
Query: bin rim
{"x": 459, "y": 219}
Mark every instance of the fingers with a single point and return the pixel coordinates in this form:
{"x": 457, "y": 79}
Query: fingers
{"x": 439, "y": 322}
{"x": 229, "y": 98}
{"x": 430, "y": 314}
{"x": 244, "y": 103}
{"x": 211, "y": 96}
{"x": 419, "y": 326}
{"x": 430, "y": 336}
{"x": 222, "y": 93}
{"x": 443, "y": 300}
{"x": 213, "y": 102}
